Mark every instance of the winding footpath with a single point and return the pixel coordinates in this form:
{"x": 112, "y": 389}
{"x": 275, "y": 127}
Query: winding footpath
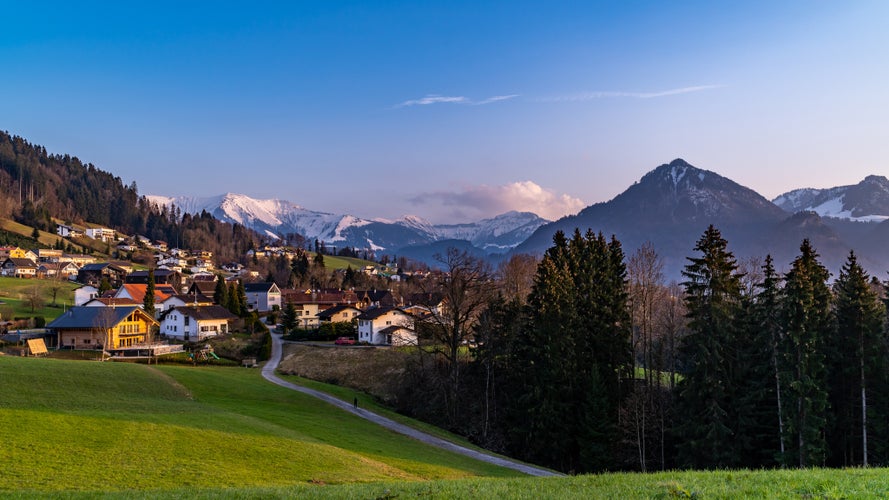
{"x": 268, "y": 372}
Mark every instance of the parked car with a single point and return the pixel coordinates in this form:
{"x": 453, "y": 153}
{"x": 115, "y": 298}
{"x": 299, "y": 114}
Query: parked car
{"x": 344, "y": 341}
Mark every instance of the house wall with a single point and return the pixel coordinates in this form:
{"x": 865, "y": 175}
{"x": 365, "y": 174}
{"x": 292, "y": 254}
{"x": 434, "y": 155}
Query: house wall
{"x": 368, "y": 330}
{"x": 174, "y": 326}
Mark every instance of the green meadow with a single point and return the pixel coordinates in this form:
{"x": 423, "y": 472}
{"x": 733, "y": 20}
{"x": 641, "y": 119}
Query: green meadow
{"x": 109, "y": 427}
{"x": 86, "y": 429}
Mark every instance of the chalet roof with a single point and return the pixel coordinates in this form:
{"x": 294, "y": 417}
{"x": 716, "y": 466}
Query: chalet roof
{"x": 204, "y": 313}
{"x": 259, "y": 287}
{"x": 158, "y": 273}
{"x": 203, "y": 287}
{"x": 330, "y": 312}
{"x": 190, "y": 298}
{"x": 376, "y": 312}
{"x": 137, "y": 291}
{"x": 114, "y": 301}
{"x": 96, "y": 317}
{"x": 21, "y": 263}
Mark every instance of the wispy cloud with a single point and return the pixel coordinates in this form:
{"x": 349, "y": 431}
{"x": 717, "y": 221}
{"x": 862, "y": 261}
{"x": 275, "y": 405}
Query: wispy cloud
{"x": 440, "y": 99}
{"x": 474, "y": 202}
{"x": 589, "y": 96}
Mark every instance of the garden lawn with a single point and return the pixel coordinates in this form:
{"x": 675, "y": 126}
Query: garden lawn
{"x": 93, "y": 427}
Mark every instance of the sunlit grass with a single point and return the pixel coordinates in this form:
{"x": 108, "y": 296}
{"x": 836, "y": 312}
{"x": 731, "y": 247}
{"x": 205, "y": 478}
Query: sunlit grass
{"x": 90, "y": 426}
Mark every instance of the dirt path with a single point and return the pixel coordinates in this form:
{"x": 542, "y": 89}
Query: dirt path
{"x": 268, "y": 371}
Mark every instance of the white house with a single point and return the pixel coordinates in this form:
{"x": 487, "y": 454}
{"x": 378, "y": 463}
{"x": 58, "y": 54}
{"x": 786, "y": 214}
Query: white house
{"x": 386, "y": 326}
{"x": 85, "y": 294}
{"x": 262, "y": 297}
{"x": 196, "y": 323}
{"x": 66, "y": 231}
{"x": 100, "y": 233}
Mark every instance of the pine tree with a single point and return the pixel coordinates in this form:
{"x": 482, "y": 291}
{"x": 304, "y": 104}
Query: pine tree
{"x": 234, "y": 303}
{"x": 220, "y": 293}
{"x": 576, "y": 351}
{"x": 243, "y": 310}
{"x": 148, "y": 301}
{"x": 289, "y": 320}
{"x": 704, "y": 405}
{"x": 807, "y": 319}
{"x": 855, "y": 358}
{"x": 766, "y": 323}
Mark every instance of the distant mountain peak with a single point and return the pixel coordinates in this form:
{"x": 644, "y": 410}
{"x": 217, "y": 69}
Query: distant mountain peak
{"x": 276, "y": 217}
{"x": 867, "y": 201}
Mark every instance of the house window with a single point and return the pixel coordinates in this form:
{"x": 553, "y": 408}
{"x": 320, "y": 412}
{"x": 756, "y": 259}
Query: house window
{"x": 187, "y": 320}
{"x": 86, "y": 341}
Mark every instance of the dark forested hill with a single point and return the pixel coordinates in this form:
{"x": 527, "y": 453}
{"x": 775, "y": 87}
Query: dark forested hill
{"x": 36, "y": 186}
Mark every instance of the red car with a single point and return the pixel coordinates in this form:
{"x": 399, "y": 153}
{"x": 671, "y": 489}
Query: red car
{"x": 344, "y": 341}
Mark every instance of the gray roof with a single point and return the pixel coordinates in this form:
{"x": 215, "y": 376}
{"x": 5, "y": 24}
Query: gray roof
{"x": 92, "y": 317}
{"x": 205, "y": 312}
{"x": 379, "y": 311}
{"x": 258, "y": 287}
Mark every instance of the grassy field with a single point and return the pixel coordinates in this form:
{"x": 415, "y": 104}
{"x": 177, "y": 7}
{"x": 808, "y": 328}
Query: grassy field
{"x": 85, "y": 429}
{"x": 335, "y": 262}
{"x": 46, "y": 239}
{"x": 13, "y": 293}
{"x": 107, "y": 427}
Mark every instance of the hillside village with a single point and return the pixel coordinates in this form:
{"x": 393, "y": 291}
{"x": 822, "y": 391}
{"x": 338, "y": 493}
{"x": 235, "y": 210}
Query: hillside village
{"x": 185, "y": 297}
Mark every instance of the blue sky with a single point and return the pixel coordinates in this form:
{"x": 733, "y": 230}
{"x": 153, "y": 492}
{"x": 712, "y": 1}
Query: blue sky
{"x": 454, "y": 110}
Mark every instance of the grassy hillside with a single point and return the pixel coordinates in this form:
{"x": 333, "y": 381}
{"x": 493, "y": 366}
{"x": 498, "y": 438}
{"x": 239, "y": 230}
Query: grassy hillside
{"x": 81, "y": 428}
{"x": 84, "y": 426}
{"x": 14, "y": 293}
{"x": 336, "y": 262}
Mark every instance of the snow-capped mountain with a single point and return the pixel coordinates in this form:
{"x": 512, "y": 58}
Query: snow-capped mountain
{"x": 278, "y": 217}
{"x": 867, "y": 201}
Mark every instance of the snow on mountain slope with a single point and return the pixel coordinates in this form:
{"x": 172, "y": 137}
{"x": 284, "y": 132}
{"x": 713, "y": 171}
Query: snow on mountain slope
{"x": 867, "y": 201}
{"x": 279, "y": 217}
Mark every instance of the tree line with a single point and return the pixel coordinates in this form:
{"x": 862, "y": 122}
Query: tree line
{"x": 597, "y": 364}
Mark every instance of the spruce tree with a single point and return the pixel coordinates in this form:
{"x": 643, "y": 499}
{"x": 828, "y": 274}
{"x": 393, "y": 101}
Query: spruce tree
{"x": 577, "y": 352}
{"x": 704, "y": 404}
{"x": 220, "y": 293}
{"x": 234, "y": 303}
{"x": 243, "y": 310}
{"x": 767, "y": 325}
{"x": 148, "y": 301}
{"x": 855, "y": 358}
{"x": 807, "y": 319}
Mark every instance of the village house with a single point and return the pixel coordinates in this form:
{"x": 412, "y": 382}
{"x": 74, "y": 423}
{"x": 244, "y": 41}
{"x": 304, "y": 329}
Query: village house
{"x": 342, "y": 313}
{"x": 190, "y": 323}
{"x": 19, "y": 268}
{"x": 102, "y": 327}
{"x": 137, "y": 292}
{"x": 55, "y": 270}
{"x": 161, "y": 277}
{"x": 66, "y": 231}
{"x": 262, "y": 297}
{"x": 201, "y": 287}
{"x": 78, "y": 260}
{"x": 48, "y": 254}
{"x": 85, "y": 294}
{"x": 93, "y": 274}
{"x": 309, "y": 303}
{"x": 386, "y": 326}
{"x": 100, "y": 233}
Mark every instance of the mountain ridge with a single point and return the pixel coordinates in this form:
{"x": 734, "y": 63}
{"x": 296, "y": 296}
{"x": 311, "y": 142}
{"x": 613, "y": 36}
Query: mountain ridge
{"x": 276, "y": 217}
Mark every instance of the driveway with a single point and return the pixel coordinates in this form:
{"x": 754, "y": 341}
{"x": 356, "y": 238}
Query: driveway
{"x": 268, "y": 372}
